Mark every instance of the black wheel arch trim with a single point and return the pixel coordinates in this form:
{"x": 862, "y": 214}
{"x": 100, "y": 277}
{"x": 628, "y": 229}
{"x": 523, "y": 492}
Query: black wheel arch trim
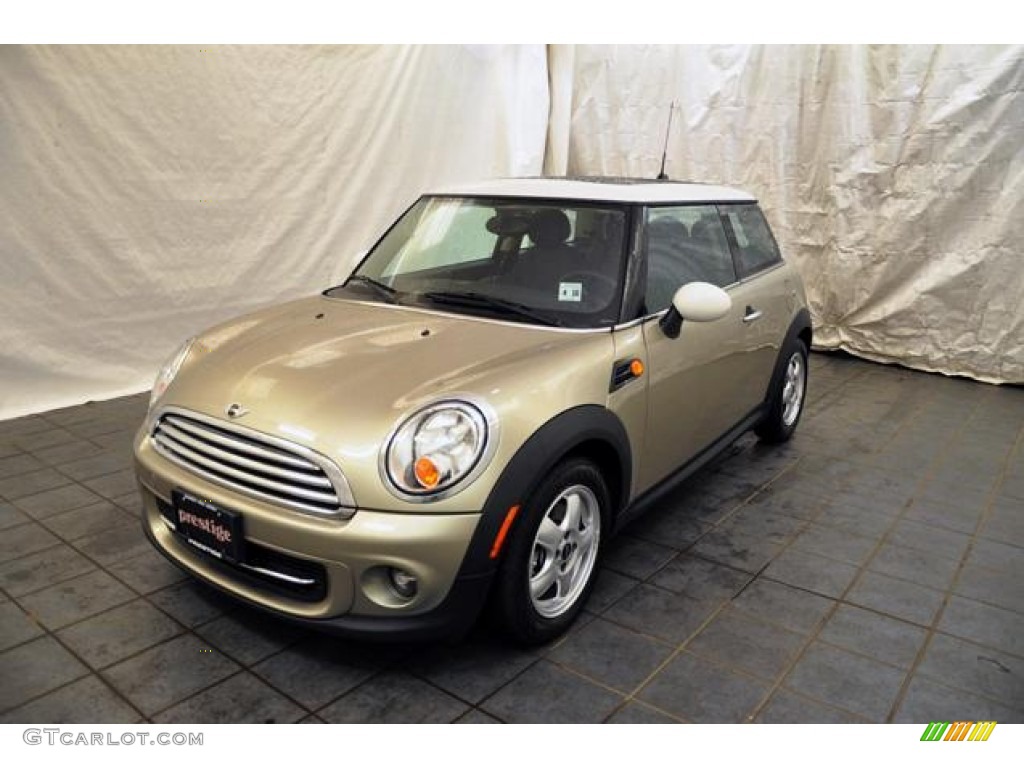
{"x": 800, "y": 323}
{"x": 556, "y": 439}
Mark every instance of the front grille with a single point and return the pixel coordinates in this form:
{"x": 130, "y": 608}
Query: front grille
{"x": 260, "y": 466}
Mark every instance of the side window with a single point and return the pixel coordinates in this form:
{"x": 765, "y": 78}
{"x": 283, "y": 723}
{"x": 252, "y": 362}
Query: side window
{"x": 685, "y": 244}
{"x": 757, "y": 249}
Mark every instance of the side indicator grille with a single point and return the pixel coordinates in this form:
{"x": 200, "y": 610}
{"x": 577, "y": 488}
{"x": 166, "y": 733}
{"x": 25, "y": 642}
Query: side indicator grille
{"x": 624, "y": 371}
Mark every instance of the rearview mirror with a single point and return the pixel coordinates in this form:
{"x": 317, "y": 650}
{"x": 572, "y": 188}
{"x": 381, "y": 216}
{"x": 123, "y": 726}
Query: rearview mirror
{"x": 698, "y": 302}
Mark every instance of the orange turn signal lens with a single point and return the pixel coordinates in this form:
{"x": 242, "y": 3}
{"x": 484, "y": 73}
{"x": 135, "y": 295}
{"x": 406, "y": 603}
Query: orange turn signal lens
{"x": 636, "y": 367}
{"x": 499, "y": 540}
{"x": 427, "y": 473}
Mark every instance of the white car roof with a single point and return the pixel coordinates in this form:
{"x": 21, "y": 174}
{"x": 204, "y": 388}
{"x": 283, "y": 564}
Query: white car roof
{"x": 604, "y": 189}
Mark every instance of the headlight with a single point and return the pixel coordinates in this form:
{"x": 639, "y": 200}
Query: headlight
{"x": 438, "y": 448}
{"x": 169, "y": 371}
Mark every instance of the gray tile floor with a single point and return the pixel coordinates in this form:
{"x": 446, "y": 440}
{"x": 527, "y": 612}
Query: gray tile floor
{"x": 871, "y": 570}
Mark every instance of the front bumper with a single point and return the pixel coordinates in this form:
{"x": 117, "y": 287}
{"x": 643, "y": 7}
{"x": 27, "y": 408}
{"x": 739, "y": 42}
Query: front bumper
{"x": 453, "y": 617}
{"x": 346, "y": 560}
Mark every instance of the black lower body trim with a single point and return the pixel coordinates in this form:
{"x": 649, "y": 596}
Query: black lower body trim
{"x": 652, "y": 495}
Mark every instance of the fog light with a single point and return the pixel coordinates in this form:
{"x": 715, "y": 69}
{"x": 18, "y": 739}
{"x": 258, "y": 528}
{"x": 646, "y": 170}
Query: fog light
{"x": 404, "y": 583}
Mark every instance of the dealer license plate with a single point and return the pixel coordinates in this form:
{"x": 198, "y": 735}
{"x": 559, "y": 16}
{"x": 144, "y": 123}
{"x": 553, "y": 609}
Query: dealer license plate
{"x": 207, "y": 527}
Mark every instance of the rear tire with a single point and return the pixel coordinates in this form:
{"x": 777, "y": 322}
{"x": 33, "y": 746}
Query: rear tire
{"x": 787, "y": 400}
{"x": 551, "y": 563}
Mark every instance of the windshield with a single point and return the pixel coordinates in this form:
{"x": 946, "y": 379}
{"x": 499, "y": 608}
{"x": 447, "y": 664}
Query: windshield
{"x": 550, "y": 263}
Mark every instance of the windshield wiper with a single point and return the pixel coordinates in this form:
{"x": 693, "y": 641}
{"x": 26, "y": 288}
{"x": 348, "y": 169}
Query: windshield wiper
{"x": 486, "y": 301}
{"x": 386, "y": 291}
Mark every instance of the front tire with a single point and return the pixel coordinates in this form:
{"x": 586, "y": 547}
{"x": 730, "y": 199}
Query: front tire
{"x": 787, "y": 400}
{"x": 549, "y": 569}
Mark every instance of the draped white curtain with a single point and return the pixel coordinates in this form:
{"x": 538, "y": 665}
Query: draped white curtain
{"x": 892, "y": 175}
{"x": 148, "y": 192}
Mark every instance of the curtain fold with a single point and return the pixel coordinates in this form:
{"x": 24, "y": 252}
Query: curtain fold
{"x": 893, "y": 177}
{"x": 151, "y": 191}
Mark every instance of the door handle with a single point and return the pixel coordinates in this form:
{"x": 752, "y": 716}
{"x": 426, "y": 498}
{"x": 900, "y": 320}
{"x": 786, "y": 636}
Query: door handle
{"x": 751, "y": 314}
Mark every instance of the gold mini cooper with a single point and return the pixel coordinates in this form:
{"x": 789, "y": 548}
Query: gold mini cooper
{"x": 513, "y": 371}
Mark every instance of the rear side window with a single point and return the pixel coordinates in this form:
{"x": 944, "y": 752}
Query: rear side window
{"x": 684, "y": 244}
{"x": 756, "y": 246}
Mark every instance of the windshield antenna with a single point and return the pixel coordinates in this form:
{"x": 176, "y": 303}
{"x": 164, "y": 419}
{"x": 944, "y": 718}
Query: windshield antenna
{"x": 662, "y": 176}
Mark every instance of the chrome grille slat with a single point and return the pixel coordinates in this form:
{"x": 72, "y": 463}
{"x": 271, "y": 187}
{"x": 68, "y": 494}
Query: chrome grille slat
{"x": 245, "y": 477}
{"x": 174, "y": 435}
{"x": 260, "y": 465}
{"x": 216, "y": 436}
{"x": 279, "y": 576}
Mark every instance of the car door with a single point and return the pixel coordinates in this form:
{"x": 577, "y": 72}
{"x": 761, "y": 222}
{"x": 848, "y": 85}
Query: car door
{"x": 699, "y": 384}
{"x": 765, "y": 290}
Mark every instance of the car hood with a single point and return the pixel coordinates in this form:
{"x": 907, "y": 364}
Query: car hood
{"x": 337, "y": 375}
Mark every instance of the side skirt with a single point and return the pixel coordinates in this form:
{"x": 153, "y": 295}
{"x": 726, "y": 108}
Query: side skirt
{"x": 651, "y": 496}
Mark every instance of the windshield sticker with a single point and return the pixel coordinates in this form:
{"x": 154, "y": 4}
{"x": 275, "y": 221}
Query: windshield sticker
{"x": 570, "y": 291}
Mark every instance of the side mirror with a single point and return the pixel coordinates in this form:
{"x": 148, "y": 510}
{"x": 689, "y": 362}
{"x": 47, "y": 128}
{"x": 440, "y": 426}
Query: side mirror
{"x": 698, "y": 302}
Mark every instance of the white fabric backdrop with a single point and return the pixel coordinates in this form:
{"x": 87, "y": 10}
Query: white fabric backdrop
{"x": 893, "y": 176}
{"x": 148, "y": 192}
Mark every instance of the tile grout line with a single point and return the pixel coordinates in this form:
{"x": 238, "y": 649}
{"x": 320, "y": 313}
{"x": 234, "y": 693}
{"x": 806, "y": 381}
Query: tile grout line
{"x": 840, "y": 599}
{"x": 687, "y": 549}
{"x": 90, "y": 671}
{"x": 100, "y": 672}
{"x": 388, "y": 669}
{"x": 770, "y": 681}
{"x": 683, "y": 647}
{"x": 925, "y": 477}
{"x": 680, "y": 648}
{"x": 949, "y": 593}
